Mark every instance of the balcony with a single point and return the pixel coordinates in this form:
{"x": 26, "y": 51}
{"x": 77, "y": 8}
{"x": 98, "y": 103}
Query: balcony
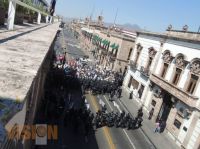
{"x": 112, "y": 57}
{"x": 173, "y": 90}
{"x": 144, "y": 71}
{"x": 104, "y": 52}
{"x": 133, "y": 65}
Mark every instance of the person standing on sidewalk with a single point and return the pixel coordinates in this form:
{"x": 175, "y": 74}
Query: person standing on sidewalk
{"x": 157, "y": 127}
{"x": 131, "y": 95}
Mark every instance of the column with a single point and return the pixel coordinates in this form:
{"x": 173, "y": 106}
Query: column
{"x": 39, "y": 18}
{"x": 51, "y": 19}
{"x": 157, "y": 70}
{"x": 170, "y": 71}
{"x": 11, "y": 15}
{"x": 184, "y": 78}
{"x": 47, "y": 19}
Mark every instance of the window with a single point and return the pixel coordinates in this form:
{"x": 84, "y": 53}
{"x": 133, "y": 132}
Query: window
{"x": 130, "y": 81}
{"x": 116, "y": 52}
{"x": 149, "y": 62}
{"x": 192, "y": 84}
{"x": 177, "y": 123}
{"x": 129, "y": 55}
{"x": 177, "y": 76}
{"x": 165, "y": 67}
{"x": 153, "y": 103}
{"x": 140, "y": 91}
{"x": 137, "y": 56}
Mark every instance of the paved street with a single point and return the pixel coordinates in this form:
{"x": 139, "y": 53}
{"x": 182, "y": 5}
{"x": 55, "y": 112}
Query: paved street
{"x": 103, "y": 138}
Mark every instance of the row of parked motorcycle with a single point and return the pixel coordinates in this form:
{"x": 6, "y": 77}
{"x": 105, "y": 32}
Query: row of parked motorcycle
{"x": 118, "y": 120}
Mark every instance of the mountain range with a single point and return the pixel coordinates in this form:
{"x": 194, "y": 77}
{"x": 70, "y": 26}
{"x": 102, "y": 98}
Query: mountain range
{"x": 127, "y": 26}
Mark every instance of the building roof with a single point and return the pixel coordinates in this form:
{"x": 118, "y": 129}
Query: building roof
{"x": 190, "y": 37}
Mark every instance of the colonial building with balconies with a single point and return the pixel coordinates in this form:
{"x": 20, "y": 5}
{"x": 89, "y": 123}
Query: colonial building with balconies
{"x": 112, "y": 49}
{"x": 174, "y": 88}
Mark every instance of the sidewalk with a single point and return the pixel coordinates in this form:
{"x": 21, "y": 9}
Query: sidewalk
{"x": 160, "y": 141}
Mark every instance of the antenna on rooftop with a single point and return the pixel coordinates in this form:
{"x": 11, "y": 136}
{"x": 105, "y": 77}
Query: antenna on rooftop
{"x": 115, "y": 17}
{"x": 101, "y": 12}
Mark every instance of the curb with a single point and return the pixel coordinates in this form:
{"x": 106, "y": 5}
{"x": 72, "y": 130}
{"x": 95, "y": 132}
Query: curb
{"x": 147, "y": 137}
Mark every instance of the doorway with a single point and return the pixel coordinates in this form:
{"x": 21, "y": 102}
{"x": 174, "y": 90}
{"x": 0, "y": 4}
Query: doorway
{"x": 125, "y": 70}
{"x": 140, "y": 91}
{"x": 166, "y": 107}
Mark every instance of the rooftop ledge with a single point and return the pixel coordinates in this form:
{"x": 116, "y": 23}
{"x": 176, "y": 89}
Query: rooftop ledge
{"x": 21, "y": 54}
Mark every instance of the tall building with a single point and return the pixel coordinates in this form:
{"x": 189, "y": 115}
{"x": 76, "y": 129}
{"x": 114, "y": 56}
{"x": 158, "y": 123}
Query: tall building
{"x": 142, "y": 62}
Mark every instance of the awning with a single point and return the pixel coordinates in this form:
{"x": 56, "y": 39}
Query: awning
{"x": 112, "y": 45}
{"x": 100, "y": 39}
{"x": 117, "y": 46}
{"x": 104, "y": 42}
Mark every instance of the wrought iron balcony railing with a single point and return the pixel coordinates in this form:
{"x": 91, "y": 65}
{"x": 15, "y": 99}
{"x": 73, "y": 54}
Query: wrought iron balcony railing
{"x": 133, "y": 65}
{"x": 180, "y": 94}
{"x": 145, "y": 71}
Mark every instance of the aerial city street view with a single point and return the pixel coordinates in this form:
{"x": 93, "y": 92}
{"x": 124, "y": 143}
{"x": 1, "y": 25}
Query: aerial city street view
{"x": 99, "y": 74}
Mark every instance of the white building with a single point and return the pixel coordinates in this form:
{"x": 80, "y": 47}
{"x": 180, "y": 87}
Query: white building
{"x": 173, "y": 88}
{"x": 142, "y": 62}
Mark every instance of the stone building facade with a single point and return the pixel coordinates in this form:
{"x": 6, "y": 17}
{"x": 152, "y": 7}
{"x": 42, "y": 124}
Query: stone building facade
{"x": 113, "y": 49}
{"x": 172, "y": 88}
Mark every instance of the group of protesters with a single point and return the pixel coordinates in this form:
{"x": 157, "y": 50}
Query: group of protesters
{"x": 94, "y": 78}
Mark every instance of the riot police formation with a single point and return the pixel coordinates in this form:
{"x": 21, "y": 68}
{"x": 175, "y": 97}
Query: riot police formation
{"x": 111, "y": 119}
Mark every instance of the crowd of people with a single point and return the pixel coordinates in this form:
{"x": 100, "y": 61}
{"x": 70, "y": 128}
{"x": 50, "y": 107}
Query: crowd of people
{"x": 69, "y": 80}
{"x": 93, "y": 77}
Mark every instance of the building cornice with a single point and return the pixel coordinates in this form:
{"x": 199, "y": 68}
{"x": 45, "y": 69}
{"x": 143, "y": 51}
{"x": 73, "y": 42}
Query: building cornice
{"x": 120, "y": 36}
{"x": 167, "y": 36}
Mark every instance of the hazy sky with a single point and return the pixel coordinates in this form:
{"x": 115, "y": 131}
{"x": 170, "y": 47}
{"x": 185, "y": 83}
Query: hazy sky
{"x": 154, "y": 15}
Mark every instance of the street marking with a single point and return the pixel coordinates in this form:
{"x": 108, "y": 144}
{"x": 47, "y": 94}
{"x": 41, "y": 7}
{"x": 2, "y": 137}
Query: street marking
{"x": 108, "y": 103}
{"x": 123, "y": 106}
{"x": 117, "y": 106}
{"x": 147, "y": 139}
{"x": 101, "y": 102}
{"x": 105, "y": 129}
{"x": 132, "y": 144}
{"x": 129, "y": 139}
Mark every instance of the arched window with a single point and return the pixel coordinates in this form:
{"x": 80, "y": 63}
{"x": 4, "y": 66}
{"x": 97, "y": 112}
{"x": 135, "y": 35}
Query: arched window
{"x": 139, "y": 49}
{"x": 167, "y": 58}
{"x": 129, "y": 54}
{"x": 180, "y": 64}
{"x": 152, "y": 53}
{"x": 194, "y": 76}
